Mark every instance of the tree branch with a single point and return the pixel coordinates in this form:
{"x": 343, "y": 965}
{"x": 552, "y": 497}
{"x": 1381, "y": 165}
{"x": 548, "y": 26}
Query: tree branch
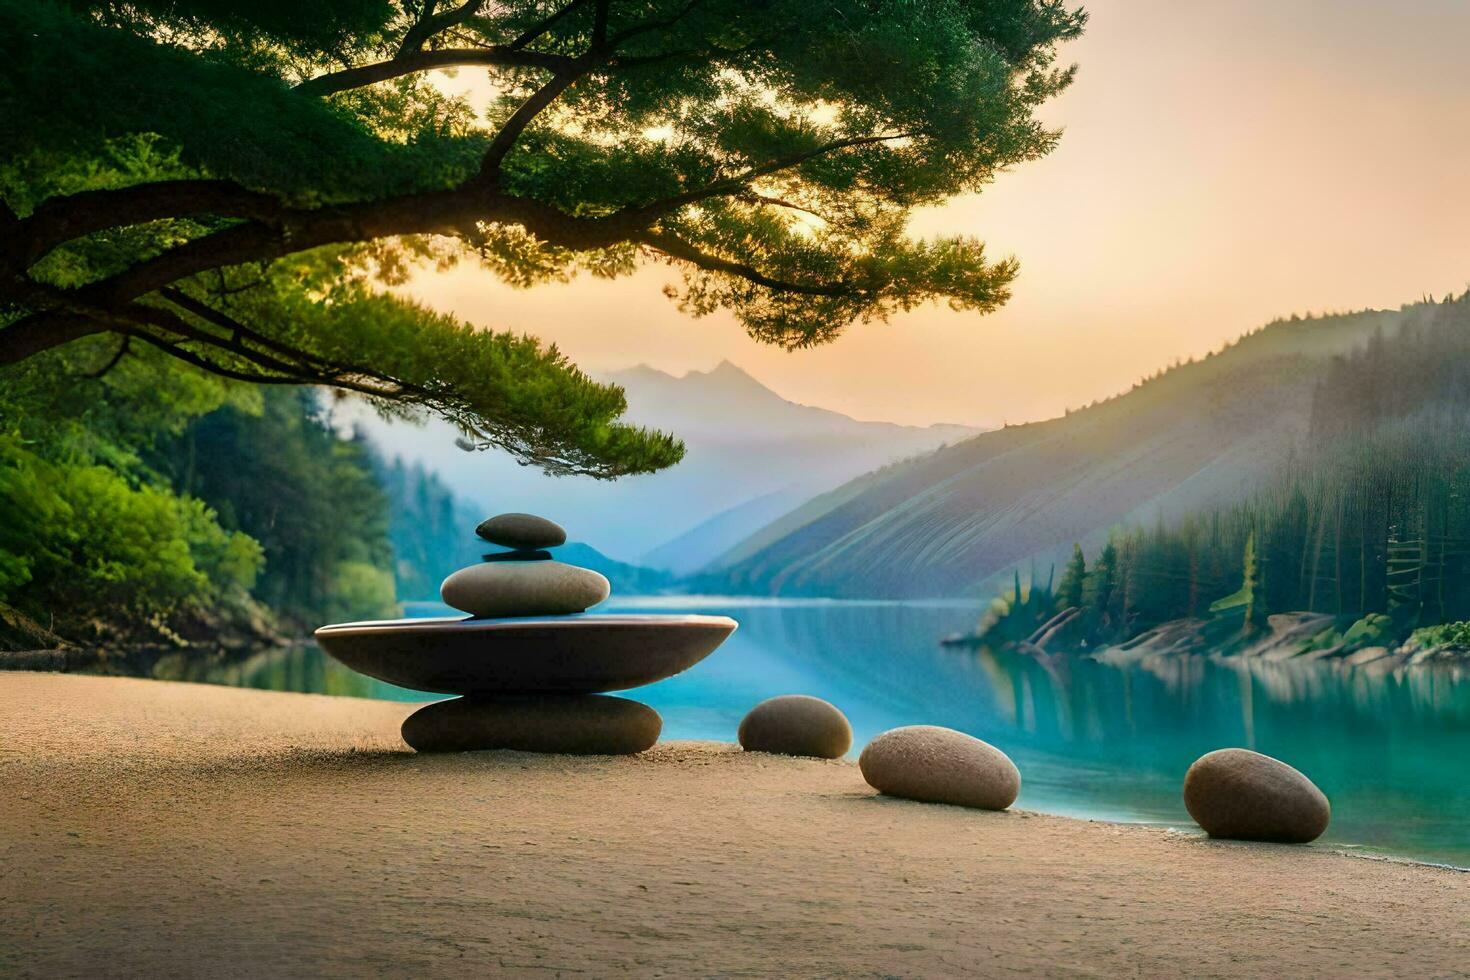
{"x": 277, "y": 230}
{"x": 435, "y": 212}
{"x": 509, "y": 133}
{"x": 751, "y": 197}
{"x": 629, "y": 33}
{"x": 678, "y": 248}
{"x": 740, "y": 183}
{"x": 432, "y": 23}
{"x": 189, "y": 357}
{"x": 42, "y": 331}
{"x": 62, "y": 219}
{"x": 599, "y": 25}
{"x": 532, "y": 33}
{"x": 303, "y": 368}
{"x": 223, "y": 320}
{"x": 498, "y": 56}
{"x": 122, "y": 349}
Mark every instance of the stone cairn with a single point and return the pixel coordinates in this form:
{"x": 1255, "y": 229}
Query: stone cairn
{"x": 529, "y": 663}
{"x": 526, "y": 581}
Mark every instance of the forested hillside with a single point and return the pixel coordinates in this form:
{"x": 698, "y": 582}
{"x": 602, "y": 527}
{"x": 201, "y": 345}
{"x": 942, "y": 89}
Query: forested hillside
{"x": 1371, "y": 518}
{"x": 150, "y": 502}
{"x": 1200, "y": 436}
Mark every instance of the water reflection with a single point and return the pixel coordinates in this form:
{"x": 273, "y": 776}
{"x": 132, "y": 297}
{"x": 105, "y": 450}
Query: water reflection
{"x": 1098, "y": 740}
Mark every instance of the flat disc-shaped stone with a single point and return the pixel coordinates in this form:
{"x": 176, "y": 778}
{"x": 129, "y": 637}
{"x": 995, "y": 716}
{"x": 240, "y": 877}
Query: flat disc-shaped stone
{"x": 582, "y": 654}
{"x": 523, "y": 531}
{"x": 581, "y": 725}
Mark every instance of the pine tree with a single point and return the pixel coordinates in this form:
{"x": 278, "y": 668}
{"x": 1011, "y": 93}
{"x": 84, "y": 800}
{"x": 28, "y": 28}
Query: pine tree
{"x": 1253, "y": 584}
{"x": 1074, "y": 579}
{"x": 1101, "y": 584}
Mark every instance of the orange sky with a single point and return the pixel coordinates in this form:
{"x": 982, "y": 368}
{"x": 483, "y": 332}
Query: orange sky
{"x": 1223, "y": 162}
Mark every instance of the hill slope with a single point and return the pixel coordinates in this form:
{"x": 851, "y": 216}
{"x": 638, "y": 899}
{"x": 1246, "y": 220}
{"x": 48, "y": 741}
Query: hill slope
{"x": 1195, "y": 436}
{"x": 744, "y": 442}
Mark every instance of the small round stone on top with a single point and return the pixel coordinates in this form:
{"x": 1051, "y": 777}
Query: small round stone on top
{"x": 525, "y": 532}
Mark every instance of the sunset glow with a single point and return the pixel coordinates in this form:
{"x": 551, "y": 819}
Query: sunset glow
{"x": 1314, "y": 150}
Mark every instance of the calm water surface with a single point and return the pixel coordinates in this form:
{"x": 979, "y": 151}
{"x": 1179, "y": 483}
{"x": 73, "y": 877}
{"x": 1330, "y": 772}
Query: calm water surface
{"x": 1392, "y": 750}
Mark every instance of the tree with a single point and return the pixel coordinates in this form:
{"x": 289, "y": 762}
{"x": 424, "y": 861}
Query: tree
{"x": 1101, "y": 585}
{"x": 267, "y": 165}
{"x": 1250, "y": 599}
{"x": 1074, "y": 577}
{"x": 310, "y": 498}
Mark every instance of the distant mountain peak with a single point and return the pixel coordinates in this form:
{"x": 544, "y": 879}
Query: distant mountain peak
{"x": 728, "y": 374}
{"x": 728, "y": 368}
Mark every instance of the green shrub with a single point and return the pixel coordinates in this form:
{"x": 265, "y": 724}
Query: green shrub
{"x": 359, "y": 590}
{"x": 82, "y": 541}
{"x": 1443, "y": 635}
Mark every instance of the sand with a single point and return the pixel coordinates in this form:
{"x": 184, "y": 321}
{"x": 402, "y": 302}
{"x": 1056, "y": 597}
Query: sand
{"x": 149, "y": 828}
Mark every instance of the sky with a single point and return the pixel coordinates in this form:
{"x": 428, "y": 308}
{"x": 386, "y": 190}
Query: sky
{"x": 1223, "y": 162}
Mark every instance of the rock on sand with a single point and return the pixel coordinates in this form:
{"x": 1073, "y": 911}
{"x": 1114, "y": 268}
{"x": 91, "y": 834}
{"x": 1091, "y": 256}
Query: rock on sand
{"x": 940, "y": 765}
{"x": 795, "y": 724}
{"x": 586, "y": 725}
{"x": 1240, "y": 794}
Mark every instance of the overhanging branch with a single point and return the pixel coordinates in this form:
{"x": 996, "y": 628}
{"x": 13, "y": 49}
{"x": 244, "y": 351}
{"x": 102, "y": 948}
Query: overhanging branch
{"x": 675, "y": 247}
{"x": 58, "y": 220}
{"x": 426, "y": 27}
{"x": 498, "y": 56}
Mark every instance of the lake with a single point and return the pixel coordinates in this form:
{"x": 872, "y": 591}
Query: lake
{"x": 1391, "y": 750}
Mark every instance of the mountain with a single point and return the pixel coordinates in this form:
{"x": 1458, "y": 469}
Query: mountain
{"x": 744, "y": 443}
{"x": 1199, "y": 435}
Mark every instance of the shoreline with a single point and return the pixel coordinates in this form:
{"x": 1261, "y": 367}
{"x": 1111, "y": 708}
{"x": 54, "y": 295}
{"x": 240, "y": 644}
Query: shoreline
{"x": 179, "y": 829}
{"x": 1111, "y": 812}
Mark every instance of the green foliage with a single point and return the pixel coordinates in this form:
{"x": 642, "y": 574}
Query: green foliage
{"x": 1100, "y": 587}
{"x": 311, "y": 499}
{"x": 503, "y": 389}
{"x": 312, "y": 28}
{"x": 359, "y": 590}
{"x": 1074, "y": 581}
{"x": 83, "y": 543}
{"x": 1373, "y": 630}
{"x": 1250, "y": 599}
{"x": 432, "y": 532}
{"x": 157, "y": 494}
{"x": 1370, "y": 523}
{"x": 64, "y": 102}
{"x": 1016, "y": 618}
{"x": 91, "y": 533}
{"x": 1455, "y": 634}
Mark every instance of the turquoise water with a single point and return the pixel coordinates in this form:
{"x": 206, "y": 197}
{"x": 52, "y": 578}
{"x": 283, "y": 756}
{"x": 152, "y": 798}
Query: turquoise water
{"x": 1391, "y": 750}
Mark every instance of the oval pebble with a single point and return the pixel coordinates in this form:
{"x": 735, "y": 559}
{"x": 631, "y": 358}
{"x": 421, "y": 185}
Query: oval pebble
{"x": 1243, "y": 795}
{"x": 523, "y": 588}
{"x": 585, "y": 725}
{"x": 795, "y": 724}
{"x": 522, "y": 531}
{"x": 940, "y": 765}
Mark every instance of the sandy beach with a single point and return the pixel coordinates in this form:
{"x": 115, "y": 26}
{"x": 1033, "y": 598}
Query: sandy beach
{"x": 150, "y": 828}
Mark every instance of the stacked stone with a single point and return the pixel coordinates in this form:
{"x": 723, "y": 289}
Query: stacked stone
{"x": 525, "y": 581}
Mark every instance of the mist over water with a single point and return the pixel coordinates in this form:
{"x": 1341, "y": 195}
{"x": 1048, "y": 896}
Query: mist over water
{"x": 1092, "y": 740}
